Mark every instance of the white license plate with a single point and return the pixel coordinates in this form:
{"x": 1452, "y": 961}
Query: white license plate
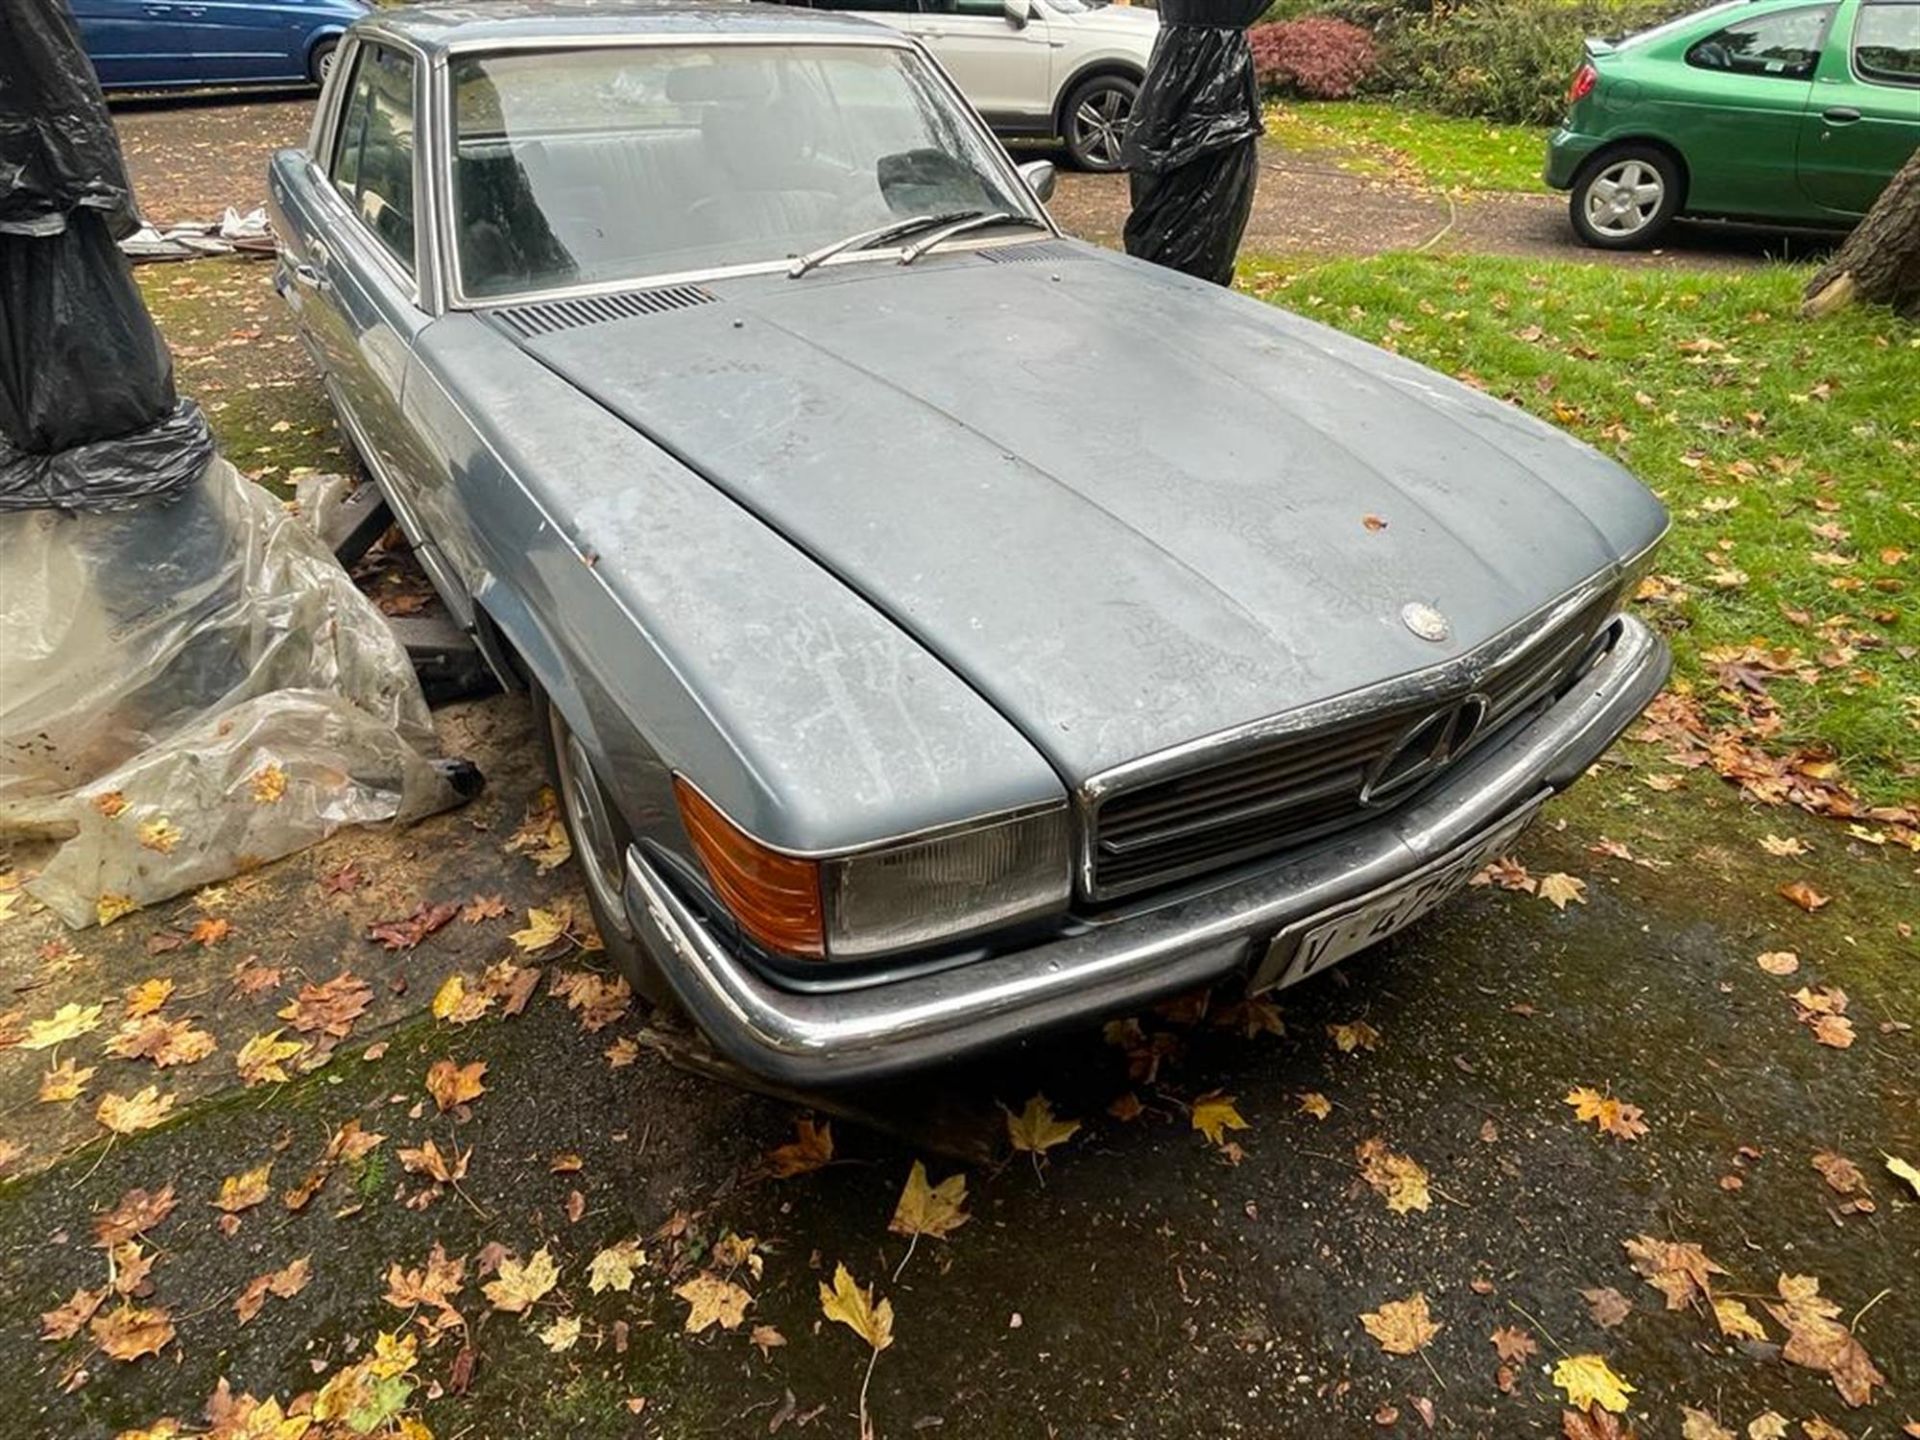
{"x": 1308, "y": 948}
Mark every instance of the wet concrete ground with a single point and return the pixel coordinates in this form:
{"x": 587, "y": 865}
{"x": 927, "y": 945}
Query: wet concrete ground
{"x": 1139, "y": 1283}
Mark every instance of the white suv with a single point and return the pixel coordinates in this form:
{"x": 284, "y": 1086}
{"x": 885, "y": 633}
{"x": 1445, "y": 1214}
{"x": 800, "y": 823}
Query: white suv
{"x": 1063, "y": 70}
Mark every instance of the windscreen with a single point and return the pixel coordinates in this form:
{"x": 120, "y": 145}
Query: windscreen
{"x": 587, "y": 166}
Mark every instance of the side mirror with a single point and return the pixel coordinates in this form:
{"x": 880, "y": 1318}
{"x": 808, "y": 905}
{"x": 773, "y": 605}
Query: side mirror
{"x": 1018, "y": 12}
{"x": 1039, "y": 175}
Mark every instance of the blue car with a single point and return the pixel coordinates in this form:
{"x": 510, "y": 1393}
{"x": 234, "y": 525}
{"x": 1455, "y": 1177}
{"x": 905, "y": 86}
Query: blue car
{"x": 165, "y": 44}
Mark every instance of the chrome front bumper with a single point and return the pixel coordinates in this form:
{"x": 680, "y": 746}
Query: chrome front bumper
{"x": 923, "y": 1020}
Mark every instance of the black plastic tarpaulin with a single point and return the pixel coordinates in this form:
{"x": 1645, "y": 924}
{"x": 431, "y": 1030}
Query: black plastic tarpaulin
{"x": 89, "y": 417}
{"x": 1191, "y": 143}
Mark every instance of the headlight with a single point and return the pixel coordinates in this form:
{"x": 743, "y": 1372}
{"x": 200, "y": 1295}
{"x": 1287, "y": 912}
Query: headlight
{"x": 960, "y": 881}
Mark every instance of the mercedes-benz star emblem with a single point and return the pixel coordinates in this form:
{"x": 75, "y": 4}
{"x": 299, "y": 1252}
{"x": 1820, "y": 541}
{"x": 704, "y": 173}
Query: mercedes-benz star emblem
{"x": 1425, "y": 621}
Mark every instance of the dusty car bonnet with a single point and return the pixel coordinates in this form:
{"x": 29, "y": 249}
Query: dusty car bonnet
{"x": 1130, "y": 510}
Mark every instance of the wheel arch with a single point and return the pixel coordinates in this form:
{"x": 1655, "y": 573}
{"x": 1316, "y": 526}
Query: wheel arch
{"x": 1091, "y": 70}
{"x": 1614, "y": 146}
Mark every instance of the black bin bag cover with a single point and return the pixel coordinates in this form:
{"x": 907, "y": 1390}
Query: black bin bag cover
{"x": 89, "y": 417}
{"x": 1191, "y": 145}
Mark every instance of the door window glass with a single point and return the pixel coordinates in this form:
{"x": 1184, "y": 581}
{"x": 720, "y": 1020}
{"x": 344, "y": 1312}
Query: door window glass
{"x": 994, "y": 9}
{"x": 1784, "y": 45}
{"x": 373, "y": 158}
{"x": 1886, "y": 44}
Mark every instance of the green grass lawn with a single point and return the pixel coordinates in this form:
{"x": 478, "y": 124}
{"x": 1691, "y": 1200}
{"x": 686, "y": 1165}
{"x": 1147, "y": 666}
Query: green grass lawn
{"x": 1788, "y": 451}
{"x": 1442, "y": 152}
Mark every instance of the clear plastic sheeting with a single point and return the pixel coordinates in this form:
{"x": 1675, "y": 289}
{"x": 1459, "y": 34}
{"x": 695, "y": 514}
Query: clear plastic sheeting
{"x": 1191, "y": 141}
{"x": 191, "y": 689}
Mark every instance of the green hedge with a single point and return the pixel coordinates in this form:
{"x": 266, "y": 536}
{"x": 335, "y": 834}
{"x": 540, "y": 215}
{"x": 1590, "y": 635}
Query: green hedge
{"x": 1504, "y": 60}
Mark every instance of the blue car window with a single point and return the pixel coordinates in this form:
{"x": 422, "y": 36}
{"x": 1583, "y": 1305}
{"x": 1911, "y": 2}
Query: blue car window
{"x": 1886, "y": 43}
{"x": 373, "y": 160}
{"x": 1784, "y": 45}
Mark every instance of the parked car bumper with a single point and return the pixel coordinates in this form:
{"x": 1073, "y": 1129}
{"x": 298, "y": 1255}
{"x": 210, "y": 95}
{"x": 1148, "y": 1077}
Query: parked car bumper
{"x": 1566, "y": 151}
{"x": 902, "y": 1024}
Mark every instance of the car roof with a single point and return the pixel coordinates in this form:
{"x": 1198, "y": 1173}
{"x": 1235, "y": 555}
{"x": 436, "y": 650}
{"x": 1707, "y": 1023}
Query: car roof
{"x": 441, "y": 27}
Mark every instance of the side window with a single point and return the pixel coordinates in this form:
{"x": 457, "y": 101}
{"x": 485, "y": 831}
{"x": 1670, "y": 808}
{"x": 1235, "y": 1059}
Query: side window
{"x": 1784, "y": 45}
{"x": 373, "y": 152}
{"x": 992, "y": 8}
{"x": 1886, "y": 43}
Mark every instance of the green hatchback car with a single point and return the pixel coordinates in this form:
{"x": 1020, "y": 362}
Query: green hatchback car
{"x": 1789, "y": 111}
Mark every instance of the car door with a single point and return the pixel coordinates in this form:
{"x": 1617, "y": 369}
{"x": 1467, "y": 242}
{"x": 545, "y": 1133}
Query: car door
{"x": 129, "y": 42}
{"x": 350, "y": 258}
{"x": 1863, "y": 119}
{"x": 1746, "y": 97}
{"x": 243, "y": 39}
{"x": 1003, "y": 67}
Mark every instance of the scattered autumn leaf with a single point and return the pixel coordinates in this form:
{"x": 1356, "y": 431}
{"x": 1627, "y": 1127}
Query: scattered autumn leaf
{"x": 1402, "y": 1327}
{"x": 69, "y": 1022}
{"x": 329, "y": 1009}
{"x": 129, "y": 1115}
{"x": 1037, "y": 1129}
{"x": 409, "y": 930}
{"x": 844, "y": 1301}
{"x": 1214, "y": 1114}
{"x": 1514, "y": 1345}
{"x": 1817, "y": 1340}
{"x": 130, "y": 1331}
{"x": 923, "y": 1209}
{"x": 713, "y": 1300}
{"x": 269, "y": 784}
{"x": 1589, "y": 1380}
{"x": 148, "y": 996}
{"x": 259, "y": 1060}
{"x": 1607, "y": 1306}
{"x": 518, "y": 1284}
{"x": 613, "y": 1268}
{"x": 562, "y": 1334}
{"x": 1778, "y": 962}
{"x": 1904, "y": 1171}
{"x": 63, "y": 1322}
{"x": 1315, "y": 1104}
{"x": 209, "y": 931}
{"x": 65, "y": 1081}
{"x": 245, "y": 1190}
{"x": 1561, "y": 890}
{"x": 1400, "y": 1180}
{"x": 811, "y": 1148}
{"x": 1610, "y": 1115}
{"x": 1805, "y": 896}
{"x": 1680, "y": 1271}
{"x": 1699, "y": 1425}
{"x": 165, "y": 1042}
{"x": 451, "y": 1084}
{"x": 1734, "y": 1319}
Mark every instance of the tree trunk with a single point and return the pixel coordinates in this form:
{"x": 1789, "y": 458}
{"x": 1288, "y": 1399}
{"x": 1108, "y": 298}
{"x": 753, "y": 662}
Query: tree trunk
{"x": 1880, "y": 261}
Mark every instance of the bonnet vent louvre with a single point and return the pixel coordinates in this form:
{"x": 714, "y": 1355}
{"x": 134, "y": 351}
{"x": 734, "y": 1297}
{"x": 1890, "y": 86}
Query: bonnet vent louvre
{"x": 1048, "y": 250}
{"x": 547, "y": 317}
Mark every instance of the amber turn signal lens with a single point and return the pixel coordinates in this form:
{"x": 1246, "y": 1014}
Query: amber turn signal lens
{"x": 775, "y": 897}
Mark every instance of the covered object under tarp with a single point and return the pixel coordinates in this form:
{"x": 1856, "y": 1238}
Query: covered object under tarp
{"x": 1192, "y": 142}
{"x": 189, "y": 682}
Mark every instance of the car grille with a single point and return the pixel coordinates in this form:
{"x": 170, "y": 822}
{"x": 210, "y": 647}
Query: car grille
{"x": 1272, "y": 796}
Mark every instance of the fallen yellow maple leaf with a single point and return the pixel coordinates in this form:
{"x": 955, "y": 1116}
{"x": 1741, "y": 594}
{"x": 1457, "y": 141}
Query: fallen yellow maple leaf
{"x": 1037, "y": 1129}
{"x": 1589, "y": 1380}
{"x": 613, "y": 1267}
{"x": 520, "y": 1283}
{"x": 561, "y": 1335}
{"x": 1398, "y": 1178}
{"x": 1561, "y": 890}
{"x": 245, "y": 1190}
{"x": 110, "y": 907}
{"x": 1315, "y": 1104}
{"x": 259, "y": 1059}
{"x": 712, "y": 1300}
{"x": 1612, "y": 1116}
{"x": 924, "y": 1209}
{"x": 148, "y": 996}
{"x": 1354, "y": 1035}
{"x": 1402, "y": 1327}
{"x": 69, "y": 1022}
{"x": 1900, "y": 1168}
{"x": 856, "y": 1309}
{"x": 131, "y": 1331}
{"x": 1735, "y": 1319}
{"x": 126, "y": 1116}
{"x": 544, "y": 928}
{"x": 65, "y": 1081}
{"x": 1214, "y": 1114}
{"x": 159, "y": 834}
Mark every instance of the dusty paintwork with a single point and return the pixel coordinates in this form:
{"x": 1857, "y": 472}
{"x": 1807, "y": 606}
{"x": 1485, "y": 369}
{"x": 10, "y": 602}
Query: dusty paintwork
{"x": 875, "y": 549}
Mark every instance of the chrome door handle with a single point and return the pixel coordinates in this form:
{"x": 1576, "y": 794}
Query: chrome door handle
{"x": 1840, "y": 115}
{"x": 305, "y": 274}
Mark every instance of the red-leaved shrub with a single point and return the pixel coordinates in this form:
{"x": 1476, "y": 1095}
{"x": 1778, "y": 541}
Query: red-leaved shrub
{"x": 1316, "y": 57}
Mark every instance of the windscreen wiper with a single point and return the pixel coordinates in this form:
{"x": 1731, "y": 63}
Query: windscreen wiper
{"x": 960, "y": 226}
{"x": 873, "y": 237}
